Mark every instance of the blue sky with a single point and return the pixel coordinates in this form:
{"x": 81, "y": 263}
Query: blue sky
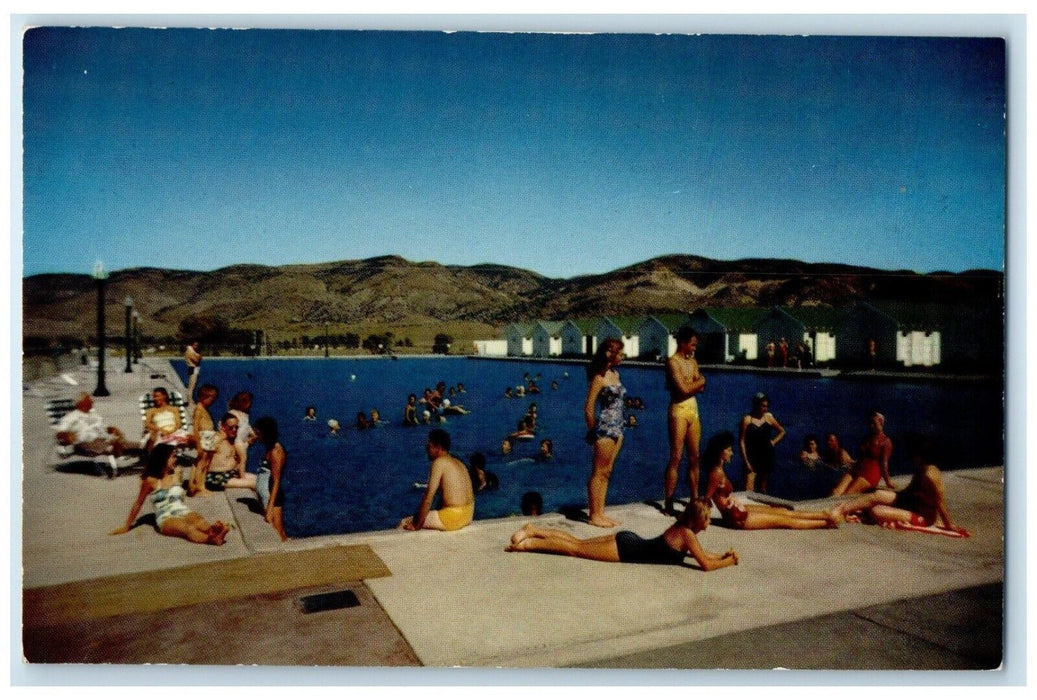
{"x": 564, "y": 154}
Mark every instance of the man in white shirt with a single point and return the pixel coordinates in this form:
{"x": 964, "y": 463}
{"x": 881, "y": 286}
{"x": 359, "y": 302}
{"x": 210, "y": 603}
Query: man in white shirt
{"x": 84, "y": 429}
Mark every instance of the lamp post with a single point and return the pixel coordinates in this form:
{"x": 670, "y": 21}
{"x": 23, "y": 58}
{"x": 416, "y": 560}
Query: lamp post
{"x": 128, "y": 303}
{"x": 326, "y": 339}
{"x": 100, "y": 277}
{"x": 136, "y": 336}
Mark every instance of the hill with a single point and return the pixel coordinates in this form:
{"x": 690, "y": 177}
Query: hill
{"x": 419, "y": 299}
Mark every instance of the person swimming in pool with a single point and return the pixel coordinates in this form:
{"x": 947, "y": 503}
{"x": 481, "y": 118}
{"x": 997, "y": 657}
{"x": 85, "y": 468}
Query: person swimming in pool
{"x": 448, "y": 477}
{"x": 671, "y": 547}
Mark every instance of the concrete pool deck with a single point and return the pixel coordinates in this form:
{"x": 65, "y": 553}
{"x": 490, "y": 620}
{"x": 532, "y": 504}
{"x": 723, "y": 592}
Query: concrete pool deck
{"x": 855, "y": 598}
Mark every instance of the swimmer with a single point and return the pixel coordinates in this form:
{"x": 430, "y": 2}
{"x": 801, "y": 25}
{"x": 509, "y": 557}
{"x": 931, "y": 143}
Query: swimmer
{"x": 532, "y": 503}
{"x": 482, "y": 479}
{"x": 546, "y": 451}
{"x": 311, "y": 414}
{"x": 810, "y": 457}
{"x": 506, "y": 446}
{"x": 410, "y": 411}
{"x": 334, "y": 426}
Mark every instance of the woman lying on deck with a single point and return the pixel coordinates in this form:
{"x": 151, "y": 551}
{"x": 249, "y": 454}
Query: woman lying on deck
{"x": 161, "y": 480}
{"x": 624, "y": 546}
{"x": 920, "y": 504}
{"x": 741, "y": 516}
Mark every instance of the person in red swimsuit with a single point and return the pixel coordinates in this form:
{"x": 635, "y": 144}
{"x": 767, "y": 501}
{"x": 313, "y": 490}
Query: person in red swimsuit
{"x": 753, "y": 516}
{"x": 921, "y": 503}
{"x": 873, "y": 464}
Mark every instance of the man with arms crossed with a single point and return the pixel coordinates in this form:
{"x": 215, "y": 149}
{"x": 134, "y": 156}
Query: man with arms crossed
{"x": 449, "y": 477}
{"x": 683, "y": 381}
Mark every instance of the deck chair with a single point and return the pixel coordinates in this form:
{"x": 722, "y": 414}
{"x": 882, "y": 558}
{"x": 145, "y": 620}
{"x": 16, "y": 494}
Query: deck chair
{"x": 63, "y": 455}
{"x": 185, "y": 455}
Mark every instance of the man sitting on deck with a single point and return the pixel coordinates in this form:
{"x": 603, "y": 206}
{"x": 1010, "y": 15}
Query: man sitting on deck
{"x": 85, "y": 430}
{"x": 449, "y": 477}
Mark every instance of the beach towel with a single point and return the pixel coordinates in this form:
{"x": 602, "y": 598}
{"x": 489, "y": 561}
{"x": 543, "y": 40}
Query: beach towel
{"x": 931, "y": 529}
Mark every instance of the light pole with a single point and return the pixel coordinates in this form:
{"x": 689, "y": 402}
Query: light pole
{"x": 100, "y": 277}
{"x": 136, "y": 336}
{"x": 326, "y": 339}
{"x": 128, "y": 303}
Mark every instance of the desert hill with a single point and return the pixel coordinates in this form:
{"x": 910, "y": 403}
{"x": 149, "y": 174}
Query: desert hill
{"x": 393, "y": 293}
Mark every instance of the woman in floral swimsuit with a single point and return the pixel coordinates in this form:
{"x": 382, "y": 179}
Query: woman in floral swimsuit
{"x": 603, "y": 411}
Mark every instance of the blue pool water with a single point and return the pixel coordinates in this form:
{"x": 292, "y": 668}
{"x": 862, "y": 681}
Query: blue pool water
{"x": 364, "y": 480}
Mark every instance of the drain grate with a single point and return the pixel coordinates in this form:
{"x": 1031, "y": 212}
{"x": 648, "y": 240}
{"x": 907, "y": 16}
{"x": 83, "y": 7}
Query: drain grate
{"x": 334, "y": 600}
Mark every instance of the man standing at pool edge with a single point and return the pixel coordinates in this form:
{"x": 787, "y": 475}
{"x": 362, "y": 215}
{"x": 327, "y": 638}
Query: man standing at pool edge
{"x": 449, "y": 477}
{"x": 683, "y": 381}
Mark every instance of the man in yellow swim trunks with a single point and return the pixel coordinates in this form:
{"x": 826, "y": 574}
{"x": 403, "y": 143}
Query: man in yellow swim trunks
{"x": 683, "y": 381}
{"x": 449, "y": 477}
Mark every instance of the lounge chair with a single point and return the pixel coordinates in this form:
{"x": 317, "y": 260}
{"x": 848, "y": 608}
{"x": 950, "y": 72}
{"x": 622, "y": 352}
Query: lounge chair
{"x": 63, "y": 455}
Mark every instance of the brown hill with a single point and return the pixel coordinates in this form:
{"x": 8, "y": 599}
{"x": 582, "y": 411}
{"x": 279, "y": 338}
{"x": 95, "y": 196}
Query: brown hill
{"x": 389, "y": 292}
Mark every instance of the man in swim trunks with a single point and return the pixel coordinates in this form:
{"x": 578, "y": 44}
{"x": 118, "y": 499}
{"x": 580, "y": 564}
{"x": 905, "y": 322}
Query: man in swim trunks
{"x": 683, "y": 381}
{"x": 221, "y": 468}
{"x": 448, "y": 476}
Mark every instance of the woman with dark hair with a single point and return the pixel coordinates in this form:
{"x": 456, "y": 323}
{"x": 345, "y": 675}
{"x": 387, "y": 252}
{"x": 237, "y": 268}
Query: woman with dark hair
{"x": 757, "y": 443}
{"x": 604, "y": 430}
{"x": 270, "y": 480}
{"x": 740, "y": 516}
{"x": 670, "y": 547}
{"x": 162, "y": 481}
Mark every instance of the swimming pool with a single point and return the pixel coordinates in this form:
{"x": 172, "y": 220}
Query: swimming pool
{"x": 365, "y": 480}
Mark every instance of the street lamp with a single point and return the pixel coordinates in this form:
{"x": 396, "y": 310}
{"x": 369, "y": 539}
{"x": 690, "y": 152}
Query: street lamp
{"x": 100, "y": 277}
{"x": 326, "y": 339}
{"x": 128, "y": 303}
{"x": 136, "y": 336}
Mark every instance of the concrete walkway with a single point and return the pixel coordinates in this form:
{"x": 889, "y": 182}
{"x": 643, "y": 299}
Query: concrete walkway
{"x": 843, "y": 599}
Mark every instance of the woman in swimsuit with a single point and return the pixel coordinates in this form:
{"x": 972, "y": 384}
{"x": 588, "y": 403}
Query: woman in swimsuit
{"x": 604, "y": 431}
{"x": 758, "y": 445}
{"x": 161, "y": 480}
{"x": 270, "y": 480}
{"x": 162, "y": 421}
{"x": 920, "y": 504}
{"x": 740, "y": 516}
{"x": 873, "y": 464}
{"x": 670, "y": 547}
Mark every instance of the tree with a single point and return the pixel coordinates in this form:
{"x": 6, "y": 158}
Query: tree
{"x": 441, "y": 344}
{"x": 210, "y": 330}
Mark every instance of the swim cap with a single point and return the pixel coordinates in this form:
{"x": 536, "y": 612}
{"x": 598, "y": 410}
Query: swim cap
{"x": 332, "y": 423}
{"x": 446, "y": 403}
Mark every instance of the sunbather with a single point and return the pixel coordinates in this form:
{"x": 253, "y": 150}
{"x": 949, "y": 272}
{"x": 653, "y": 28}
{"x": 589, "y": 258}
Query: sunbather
{"x": 742, "y": 516}
{"x": 85, "y": 431}
{"x": 670, "y": 547}
{"x": 162, "y": 421}
{"x": 161, "y": 480}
